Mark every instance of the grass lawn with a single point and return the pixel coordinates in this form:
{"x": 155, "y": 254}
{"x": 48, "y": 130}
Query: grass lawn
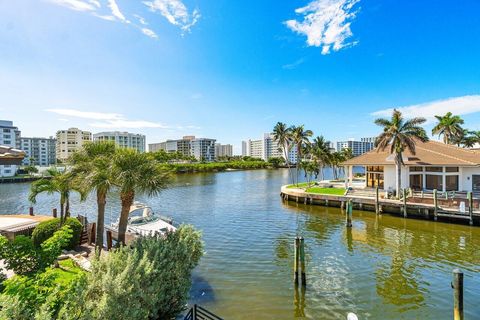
{"x": 333, "y": 191}
{"x": 300, "y": 185}
{"x": 67, "y": 272}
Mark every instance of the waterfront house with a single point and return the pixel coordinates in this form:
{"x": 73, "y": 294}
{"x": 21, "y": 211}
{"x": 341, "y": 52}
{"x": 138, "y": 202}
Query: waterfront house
{"x": 435, "y": 165}
{"x": 9, "y": 159}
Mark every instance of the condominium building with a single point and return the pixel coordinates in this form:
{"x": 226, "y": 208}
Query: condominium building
{"x": 223, "y": 150}
{"x": 357, "y": 147}
{"x": 267, "y": 148}
{"x": 69, "y": 141}
{"x": 203, "y": 149}
{"x": 123, "y": 139}
{"x": 38, "y": 151}
{"x": 9, "y": 137}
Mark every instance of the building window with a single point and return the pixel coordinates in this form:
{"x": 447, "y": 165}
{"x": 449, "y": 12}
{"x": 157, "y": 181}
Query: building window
{"x": 434, "y": 169}
{"x": 451, "y": 169}
{"x": 434, "y": 182}
{"x": 416, "y": 182}
{"x": 451, "y": 183}
{"x": 416, "y": 169}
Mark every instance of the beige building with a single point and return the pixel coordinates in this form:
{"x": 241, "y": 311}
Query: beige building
{"x": 69, "y": 141}
{"x": 123, "y": 139}
{"x": 223, "y": 150}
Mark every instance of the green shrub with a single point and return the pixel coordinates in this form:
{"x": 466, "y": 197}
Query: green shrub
{"x": 46, "y": 229}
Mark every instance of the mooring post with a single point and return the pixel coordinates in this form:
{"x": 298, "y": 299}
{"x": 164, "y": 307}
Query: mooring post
{"x": 457, "y": 286}
{"x": 54, "y": 212}
{"x": 109, "y": 240}
{"x": 297, "y": 257}
{"x": 470, "y": 206}
{"x": 404, "y": 203}
{"x": 302, "y": 261}
{"x": 435, "y": 204}
{"x": 342, "y": 205}
{"x": 349, "y": 213}
{"x": 30, "y": 212}
{"x": 377, "y": 207}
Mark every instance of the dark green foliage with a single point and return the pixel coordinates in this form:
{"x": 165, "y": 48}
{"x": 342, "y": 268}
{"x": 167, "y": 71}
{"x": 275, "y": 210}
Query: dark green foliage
{"x": 276, "y": 162}
{"x": 218, "y": 166}
{"x": 46, "y": 229}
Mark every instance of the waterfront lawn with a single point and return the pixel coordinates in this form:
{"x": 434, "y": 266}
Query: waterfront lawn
{"x": 332, "y": 191}
{"x": 300, "y": 185}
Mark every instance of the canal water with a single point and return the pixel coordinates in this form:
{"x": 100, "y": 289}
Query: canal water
{"x": 383, "y": 268}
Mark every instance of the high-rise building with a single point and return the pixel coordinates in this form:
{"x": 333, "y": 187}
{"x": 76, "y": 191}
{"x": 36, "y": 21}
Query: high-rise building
{"x": 123, "y": 139}
{"x": 69, "y": 141}
{"x": 223, "y": 150}
{"x": 9, "y": 137}
{"x": 203, "y": 149}
{"x": 267, "y": 148}
{"x": 357, "y": 147}
{"x": 38, "y": 151}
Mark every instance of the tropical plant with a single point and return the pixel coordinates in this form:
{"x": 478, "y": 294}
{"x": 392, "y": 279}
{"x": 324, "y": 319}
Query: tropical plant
{"x": 282, "y": 135}
{"x": 59, "y": 182}
{"x": 276, "y": 161}
{"x": 45, "y": 229}
{"x": 321, "y": 153}
{"x": 300, "y": 137}
{"x": 450, "y": 126}
{"x": 135, "y": 173}
{"x": 399, "y": 135}
{"x": 93, "y": 163}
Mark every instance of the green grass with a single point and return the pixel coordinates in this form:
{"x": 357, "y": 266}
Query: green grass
{"x": 332, "y": 191}
{"x": 300, "y": 185}
{"x": 67, "y": 272}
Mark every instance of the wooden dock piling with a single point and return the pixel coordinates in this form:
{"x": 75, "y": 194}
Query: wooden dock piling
{"x": 404, "y": 203}
{"x": 470, "y": 206}
{"x": 54, "y": 212}
{"x": 377, "y": 202}
{"x": 457, "y": 286}
{"x": 109, "y": 240}
{"x": 302, "y": 262}
{"x": 297, "y": 258}
{"x": 349, "y": 213}
{"x": 30, "y": 211}
{"x": 435, "y": 204}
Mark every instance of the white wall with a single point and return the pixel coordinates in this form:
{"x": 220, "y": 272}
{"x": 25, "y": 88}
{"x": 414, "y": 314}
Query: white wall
{"x": 389, "y": 176}
{"x": 8, "y": 170}
{"x": 466, "y": 177}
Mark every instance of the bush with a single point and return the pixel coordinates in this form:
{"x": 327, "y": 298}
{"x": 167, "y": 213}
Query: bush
{"x": 151, "y": 280}
{"x": 46, "y": 229}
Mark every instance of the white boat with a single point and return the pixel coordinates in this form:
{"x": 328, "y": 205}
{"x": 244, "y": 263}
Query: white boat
{"x": 143, "y": 221}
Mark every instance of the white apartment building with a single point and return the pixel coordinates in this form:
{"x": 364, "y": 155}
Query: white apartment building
{"x": 69, "y": 141}
{"x": 38, "y": 151}
{"x": 357, "y": 147}
{"x": 9, "y": 137}
{"x": 223, "y": 150}
{"x": 203, "y": 149}
{"x": 267, "y": 148}
{"x": 123, "y": 139}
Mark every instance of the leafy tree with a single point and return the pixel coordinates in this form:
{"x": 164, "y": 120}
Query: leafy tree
{"x": 300, "y": 137}
{"x": 134, "y": 173}
{"x": 321, "y": 153}
{"x": 283, "y": 136}
{"x": 399, "y": 135}
{"x": 30, "y": 169}
{"x": 276, "y": 161}
{"x": 450, "y": 126}
{"x": 93, "y": 163}
{"x": 59, "y": 182}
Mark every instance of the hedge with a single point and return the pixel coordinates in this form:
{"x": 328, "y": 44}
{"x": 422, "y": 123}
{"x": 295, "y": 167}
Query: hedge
{"x": 46, "y": 229}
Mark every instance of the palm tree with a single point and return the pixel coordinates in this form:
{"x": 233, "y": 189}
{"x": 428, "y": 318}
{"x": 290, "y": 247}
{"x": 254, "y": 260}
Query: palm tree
{"x": 59, "y": 182}
{"x": 93, "y": 163}
{"x": 135, "y": 173}
{"x": 398, "y": 135}
{"x": 321, "y": 152}
{"x": 300, "y": 137}
{"x": 449, "y": 126}
{"x": 283, "y": 136}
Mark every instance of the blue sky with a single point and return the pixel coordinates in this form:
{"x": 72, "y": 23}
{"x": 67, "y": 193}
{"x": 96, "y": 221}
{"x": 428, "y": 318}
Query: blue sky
{"x": 231, "y": 69}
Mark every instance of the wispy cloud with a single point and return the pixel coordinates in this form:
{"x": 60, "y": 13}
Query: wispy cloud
{"x": 150, "y": 33}
{"x": 78, "y": 5}
{"x": 116, "y": 11}
{"x": 175, "y": 12}
{"x": 326, "y": 23}
{"x": 107, "y": 120}
{"x": 457, "y": 105}
{"x": 294, "y": 64}
{"x": 141, "y": 19}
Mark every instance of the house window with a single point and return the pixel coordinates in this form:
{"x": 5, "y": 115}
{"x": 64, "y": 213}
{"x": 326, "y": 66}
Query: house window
{"x": 451, "y": 169}
{"x": 434, "y": 169}
{"x": 416, "y": 169}
{"x": 434, "y": 182}
{"x": 416, "y": 182}
{"x": 451, "y": 183}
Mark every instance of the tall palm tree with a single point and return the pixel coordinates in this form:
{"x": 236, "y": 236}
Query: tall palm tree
{"x": 449, "y": 126}
{"x": 59, "y": 182}
{"x": 135, "y": 173}
{"x": 321, "y": 153}
{"x": 399, "y": 135}
{"x": 93, "y": 164}
{"x": 282, "y": 135}
{"x": 300, "y": 137}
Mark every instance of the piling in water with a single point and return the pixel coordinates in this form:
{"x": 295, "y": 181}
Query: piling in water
{"x": 54, "y": 212}
{"x": 435, "y": 204}
{"x": 457, "y": 286}
{"x": 404, "y": 203}
{"x": 302, "y": 261}
{"x": 30, "y": 212}
{"x": 297, "y": 257}
{"x": 349, "y": 213}
{"x": 377, "y": 205}
{"x": 470, "y": 206}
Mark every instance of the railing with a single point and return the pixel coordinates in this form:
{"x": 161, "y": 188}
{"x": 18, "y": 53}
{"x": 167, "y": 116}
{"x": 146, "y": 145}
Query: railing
{"x": 199, "y": 313}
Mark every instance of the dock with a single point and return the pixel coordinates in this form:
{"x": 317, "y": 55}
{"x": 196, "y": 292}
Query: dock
{"x": 453, "y": 207}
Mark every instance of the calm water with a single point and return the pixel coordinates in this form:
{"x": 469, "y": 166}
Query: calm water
{"x": 384, "y": 268}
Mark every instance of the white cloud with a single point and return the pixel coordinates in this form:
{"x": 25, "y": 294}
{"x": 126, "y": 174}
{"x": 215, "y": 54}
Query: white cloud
{"x": 326, "y": 23}
{"x": 141, "y": 19}
{"x": 175, "y": 12}
{"x": 106, "y": 120}
{"x": 116, "y": 11}
{"x": 150, "y": 33}
{"x": 293, "y": 65}
{"x": 456, "y": 105}
{"x": 78, "y": 5}
{"x": 95, "y": 3}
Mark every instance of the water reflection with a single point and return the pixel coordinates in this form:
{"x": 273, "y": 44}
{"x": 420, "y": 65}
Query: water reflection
{"x": 299, "y": 301}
